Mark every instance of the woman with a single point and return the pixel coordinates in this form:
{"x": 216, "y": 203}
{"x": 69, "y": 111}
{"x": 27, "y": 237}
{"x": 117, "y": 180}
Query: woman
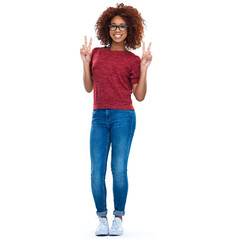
{"x": 114, "y": 73}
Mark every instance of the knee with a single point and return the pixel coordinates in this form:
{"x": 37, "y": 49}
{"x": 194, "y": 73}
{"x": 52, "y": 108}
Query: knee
{"x": 119, "y": 173}
{"x": 97, "y": 177}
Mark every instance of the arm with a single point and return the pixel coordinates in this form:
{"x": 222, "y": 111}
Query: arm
{"x": 140, "y": 88}
{"x": 87, "y": 78}
{"x": 85, "y": 55}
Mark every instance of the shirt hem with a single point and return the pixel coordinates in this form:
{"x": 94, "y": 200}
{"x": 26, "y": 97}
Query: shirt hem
{"x": 96, "y": 106}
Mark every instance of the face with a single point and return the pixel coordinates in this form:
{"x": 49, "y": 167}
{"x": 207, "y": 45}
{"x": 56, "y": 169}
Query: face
{"x": 118, "y": 36}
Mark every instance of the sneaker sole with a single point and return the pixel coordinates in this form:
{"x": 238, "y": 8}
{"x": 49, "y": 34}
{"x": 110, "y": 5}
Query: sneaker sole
{"x": 115, "y": 233}
{"x": 101, "y": 233}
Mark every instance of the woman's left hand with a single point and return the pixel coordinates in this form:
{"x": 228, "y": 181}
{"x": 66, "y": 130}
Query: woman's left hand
{"x": 146, "y": 57}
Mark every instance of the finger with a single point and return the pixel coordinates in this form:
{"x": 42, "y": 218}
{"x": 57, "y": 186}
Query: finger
{"x": 149, "y": 46}
{"x": 143, "y": 47}
{"x": 149, "y": 57}
{"x": 82, "y": 51}
{"x": 85, "y": 41}
{"x": 90, "y": 45}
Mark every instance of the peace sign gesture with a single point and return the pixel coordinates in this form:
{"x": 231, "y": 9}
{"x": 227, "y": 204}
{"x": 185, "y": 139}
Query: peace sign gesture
{"x": 146, "y": 57}
{"x": 85, "y": 51}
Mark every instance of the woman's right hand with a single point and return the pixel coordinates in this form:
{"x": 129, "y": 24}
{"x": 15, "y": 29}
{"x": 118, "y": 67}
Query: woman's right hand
{"x": 85, "y": 51}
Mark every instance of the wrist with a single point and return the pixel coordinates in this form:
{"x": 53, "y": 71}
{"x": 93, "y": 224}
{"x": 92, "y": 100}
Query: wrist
{"x": 143, "y": 70}
{"x": 143, "y": 66}
{"x": 86, "y": 64}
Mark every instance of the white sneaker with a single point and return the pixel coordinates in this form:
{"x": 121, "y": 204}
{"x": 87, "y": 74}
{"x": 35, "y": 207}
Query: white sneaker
{"x": 103, "y": 228}
{"x": 116, "y": 229}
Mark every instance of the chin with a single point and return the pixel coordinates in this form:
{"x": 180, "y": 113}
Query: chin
{"x": 122, "y": 42}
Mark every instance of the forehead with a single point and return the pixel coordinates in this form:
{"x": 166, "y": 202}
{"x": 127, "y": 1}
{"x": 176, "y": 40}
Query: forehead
{"x": 118, "y": 20}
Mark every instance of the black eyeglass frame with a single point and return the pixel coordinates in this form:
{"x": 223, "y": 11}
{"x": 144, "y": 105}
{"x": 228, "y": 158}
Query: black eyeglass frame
{"x": 118, "y": 26}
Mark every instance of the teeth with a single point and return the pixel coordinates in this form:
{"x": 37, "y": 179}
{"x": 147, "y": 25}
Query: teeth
{"x": 117, "y": 36}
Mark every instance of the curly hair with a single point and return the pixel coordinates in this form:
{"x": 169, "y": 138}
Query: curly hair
{"x": 134, "y": 20}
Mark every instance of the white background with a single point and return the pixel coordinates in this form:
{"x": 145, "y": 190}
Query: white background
{"x": 184, "y": 163}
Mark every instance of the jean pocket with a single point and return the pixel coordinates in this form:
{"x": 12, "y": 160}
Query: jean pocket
{"x": 94, "y": 112}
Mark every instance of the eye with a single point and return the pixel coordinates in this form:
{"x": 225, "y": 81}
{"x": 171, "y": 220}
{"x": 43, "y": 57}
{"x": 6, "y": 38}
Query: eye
{"x": 123, "y": 27}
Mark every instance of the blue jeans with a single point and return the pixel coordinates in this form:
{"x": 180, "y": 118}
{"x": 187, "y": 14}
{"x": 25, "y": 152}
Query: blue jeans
{"x": 116, "y": 128}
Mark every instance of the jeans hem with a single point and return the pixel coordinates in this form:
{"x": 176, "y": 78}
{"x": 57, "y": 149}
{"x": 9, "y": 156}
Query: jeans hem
{"x": 102, "y": 214}
{"x": 118, "y": 213}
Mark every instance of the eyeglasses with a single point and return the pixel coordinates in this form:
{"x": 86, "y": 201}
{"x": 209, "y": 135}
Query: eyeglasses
{"x": 114, "y": 27}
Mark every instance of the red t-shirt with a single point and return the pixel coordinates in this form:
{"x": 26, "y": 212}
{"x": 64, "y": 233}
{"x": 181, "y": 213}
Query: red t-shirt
{"x": 114, "y": 73}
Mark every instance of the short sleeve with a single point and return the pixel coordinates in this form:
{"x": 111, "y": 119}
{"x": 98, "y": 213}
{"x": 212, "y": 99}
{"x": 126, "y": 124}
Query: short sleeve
{"x": 135, "y": 71}
{"x": 91, "y": 61}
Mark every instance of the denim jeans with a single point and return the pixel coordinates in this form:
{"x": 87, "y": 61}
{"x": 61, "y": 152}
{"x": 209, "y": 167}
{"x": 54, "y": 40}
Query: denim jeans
{"x": 116, "y": 128}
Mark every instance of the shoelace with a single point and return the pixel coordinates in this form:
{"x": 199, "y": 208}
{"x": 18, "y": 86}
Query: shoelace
{"x": 116, "y": 225}
{"x": 102, "y": 224}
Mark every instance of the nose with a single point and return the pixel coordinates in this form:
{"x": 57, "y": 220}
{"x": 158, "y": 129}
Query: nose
{"x": 117, "y": 31}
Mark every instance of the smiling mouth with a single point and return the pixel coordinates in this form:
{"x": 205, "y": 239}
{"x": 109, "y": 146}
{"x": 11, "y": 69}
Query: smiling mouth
{"x": 117, "y": 35}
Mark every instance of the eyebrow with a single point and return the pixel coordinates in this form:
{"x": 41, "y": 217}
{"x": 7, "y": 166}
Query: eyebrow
{"x": 115, "y": 23}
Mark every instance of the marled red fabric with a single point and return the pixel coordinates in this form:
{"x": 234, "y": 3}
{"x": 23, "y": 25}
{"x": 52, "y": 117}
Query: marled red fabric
{"x": 113, "y": 73}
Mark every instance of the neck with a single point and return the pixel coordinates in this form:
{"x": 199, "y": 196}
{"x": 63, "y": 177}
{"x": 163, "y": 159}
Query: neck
{"x": 117, "y": 47}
